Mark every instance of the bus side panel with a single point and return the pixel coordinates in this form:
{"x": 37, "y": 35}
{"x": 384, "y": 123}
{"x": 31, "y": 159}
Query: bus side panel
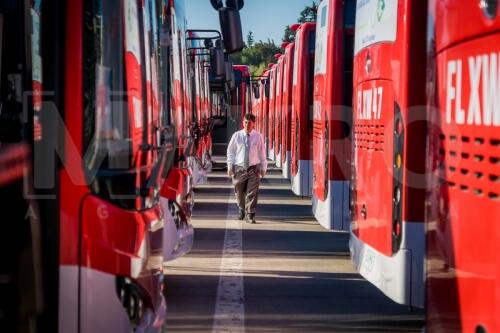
{"x": 463, "y": 265}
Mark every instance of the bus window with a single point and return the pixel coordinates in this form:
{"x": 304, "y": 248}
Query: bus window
{"x": 106, "y": 138}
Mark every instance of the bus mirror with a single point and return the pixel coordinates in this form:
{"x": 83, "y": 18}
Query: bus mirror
{"x": 217, "y": 63}
{"x": 217, "y": 4}
{"x": 266, "y": 88}
{"x": 237, "y": 4}
{"x": 230, "y": 23}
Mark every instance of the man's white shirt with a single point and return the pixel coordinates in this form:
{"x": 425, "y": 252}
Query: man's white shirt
{"x": 236, "y": 150}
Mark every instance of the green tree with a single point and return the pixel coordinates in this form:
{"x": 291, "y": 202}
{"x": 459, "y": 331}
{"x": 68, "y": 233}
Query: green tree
{"x": 257, "y": 56}
{"x": 250, "y": 39}
{"x": 309, "y": 13}
{"x": 289, "y": 35}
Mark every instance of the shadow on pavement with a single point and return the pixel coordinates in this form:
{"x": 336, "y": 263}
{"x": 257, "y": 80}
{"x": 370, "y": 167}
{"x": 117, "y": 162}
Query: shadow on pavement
{"x": 287, "y": 302}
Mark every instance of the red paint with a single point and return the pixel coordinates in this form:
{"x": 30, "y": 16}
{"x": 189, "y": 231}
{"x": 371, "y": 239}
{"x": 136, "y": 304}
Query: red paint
{"x": 286, "y": 102}
{"x": 399, "y": 84}
{"x": 463, "y": 264}
{"x": 278, "y": 105}
{"x": 301, "y": 143}
{"x": 331, "y": 145}
{"x": 272, "y": 106}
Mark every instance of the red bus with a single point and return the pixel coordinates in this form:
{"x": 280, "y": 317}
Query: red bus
{"x": 302, "y": 102}
{"x": 462, "y": 233}
{"x": 286, "y": 108}
{"x": 199, "y": 160}
{"x": 264, "y": 105}
{"x": 271, "y": 147}
{"x": 241, "y": 98}
{"x": 256, "y": 103}
{"x": 332, "y": 113}
{"x": 87, "y": 238}
{"x": 387, "y": 233}
{"x": 278, "y": 100}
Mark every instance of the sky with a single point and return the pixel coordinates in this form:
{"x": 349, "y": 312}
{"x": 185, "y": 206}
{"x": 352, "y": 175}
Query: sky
{"x": 265, "y": 18}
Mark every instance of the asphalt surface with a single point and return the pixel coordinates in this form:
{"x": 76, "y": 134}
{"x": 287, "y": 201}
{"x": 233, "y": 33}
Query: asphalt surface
{"x": 296, "y": 276}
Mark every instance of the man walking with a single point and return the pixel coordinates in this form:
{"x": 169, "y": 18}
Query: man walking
{"x": 246, "y": 164}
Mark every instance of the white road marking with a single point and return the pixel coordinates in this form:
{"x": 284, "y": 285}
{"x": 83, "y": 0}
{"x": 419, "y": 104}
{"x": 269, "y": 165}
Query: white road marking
{"x": 230, "y": 307}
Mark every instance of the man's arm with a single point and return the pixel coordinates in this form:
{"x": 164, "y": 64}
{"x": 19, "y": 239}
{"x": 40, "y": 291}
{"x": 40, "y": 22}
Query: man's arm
{"x": 263, "y": 157}
{"x": 231, "y": 155}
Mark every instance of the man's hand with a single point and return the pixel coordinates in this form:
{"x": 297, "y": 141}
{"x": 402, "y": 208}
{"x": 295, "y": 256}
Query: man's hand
{"x": 262, "y": 173}
{"x": 230, "y": 172}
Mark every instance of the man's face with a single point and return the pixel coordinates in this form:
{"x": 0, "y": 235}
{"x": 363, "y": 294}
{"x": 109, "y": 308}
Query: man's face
{"x": 248, "y": 125}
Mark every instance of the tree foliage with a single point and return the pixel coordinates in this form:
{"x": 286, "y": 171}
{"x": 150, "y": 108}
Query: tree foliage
{"x": 250, "y": 39}
{"x": 289, "y": 35}
{"x": 257, "y": 56}
{"x": 309, "y": 13}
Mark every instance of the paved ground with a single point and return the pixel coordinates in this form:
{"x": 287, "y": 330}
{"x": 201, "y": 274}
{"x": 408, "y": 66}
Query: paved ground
{"x": 283, "y": 274}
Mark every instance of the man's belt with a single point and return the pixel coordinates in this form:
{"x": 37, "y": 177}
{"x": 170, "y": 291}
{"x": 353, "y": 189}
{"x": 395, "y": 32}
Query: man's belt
{"x": 249, "y": 168}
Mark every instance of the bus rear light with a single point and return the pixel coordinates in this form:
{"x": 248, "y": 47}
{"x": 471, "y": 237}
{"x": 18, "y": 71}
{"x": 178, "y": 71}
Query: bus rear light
{"x": 398, "y": 144}
{"x": 397, "y": 228}
{"x": 398, "y": 127}
{"x": 398, "y": 161}
{"x": 397, "y": 195}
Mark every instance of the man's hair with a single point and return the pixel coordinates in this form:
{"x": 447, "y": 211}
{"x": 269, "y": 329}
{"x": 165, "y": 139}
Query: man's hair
{"x": 250, "y": 117}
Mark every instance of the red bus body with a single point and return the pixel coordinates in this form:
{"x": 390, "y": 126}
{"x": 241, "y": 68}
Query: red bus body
{"x": 278, "y": 100}
{"x": 199, "y": 160}
{"x": 176, "y": 191}
{"x": 263, "y": 114}
{"x": 105, "y": 230}
{"x": 271, "y": 147}
{"x": 241, "y": 101}
{"x": 332, "y": 114}
{"x": 256, "y": 104}
{"x": 463, "y": 231}
{"x": 99, "y": 240}
{"x": 302, "y": 101}
{"x": 387, "y": 237}
{"x": 286, "y": 110}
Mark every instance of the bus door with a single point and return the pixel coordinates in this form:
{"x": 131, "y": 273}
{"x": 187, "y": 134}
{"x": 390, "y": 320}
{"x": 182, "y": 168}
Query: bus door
{"x": 387, "y": 239}
{"x": 303, "y": 74}
{"x": 463, "y": 233}
{"x": 332, "y": 114}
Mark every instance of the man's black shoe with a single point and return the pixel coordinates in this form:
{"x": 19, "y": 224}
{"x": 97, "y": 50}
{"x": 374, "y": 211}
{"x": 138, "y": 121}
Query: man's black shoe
{"x": 251, "y": 218}
{"x": 241, "y": 214}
